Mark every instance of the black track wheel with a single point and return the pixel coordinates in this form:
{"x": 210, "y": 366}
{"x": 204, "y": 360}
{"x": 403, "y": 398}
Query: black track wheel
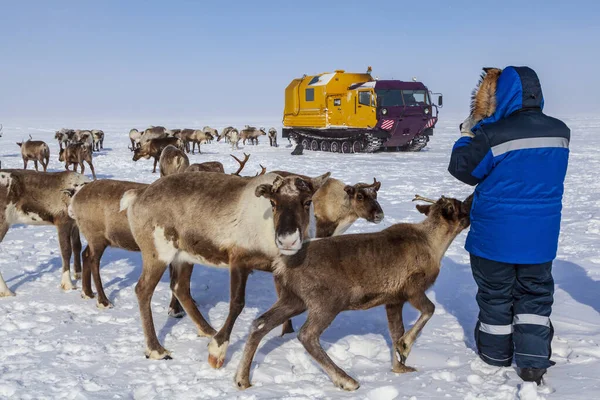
{"x": 314, "y": 145}
{"x": 325, "y": 146}
{"x": 335, "y": 147}
{"x": 357, "y": 147}
{"x": 346, "y": 147}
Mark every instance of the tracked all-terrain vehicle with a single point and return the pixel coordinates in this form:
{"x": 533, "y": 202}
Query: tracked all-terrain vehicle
{"x": 354, "y": 113}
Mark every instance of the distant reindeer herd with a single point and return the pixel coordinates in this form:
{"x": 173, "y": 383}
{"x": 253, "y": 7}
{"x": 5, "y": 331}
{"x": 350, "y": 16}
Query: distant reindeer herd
{"x": 282, "y": 222}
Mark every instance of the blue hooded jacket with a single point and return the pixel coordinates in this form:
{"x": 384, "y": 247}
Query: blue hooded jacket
{"x": 518, "y": 160}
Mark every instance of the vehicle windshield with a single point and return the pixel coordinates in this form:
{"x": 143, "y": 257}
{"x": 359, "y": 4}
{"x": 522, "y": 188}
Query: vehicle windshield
{"x": 396, "y": 97}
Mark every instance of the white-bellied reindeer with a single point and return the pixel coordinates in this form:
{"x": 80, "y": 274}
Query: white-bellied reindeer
{"x": 135, "y": 137}
{"x": 220, "y": 220}
{"x": 98, "y": 139}
{"x": 273, "y": 137}
{"x": 357, "y": 272}
{"x": 35, "y": 150}
{"x": 42, "y": 198}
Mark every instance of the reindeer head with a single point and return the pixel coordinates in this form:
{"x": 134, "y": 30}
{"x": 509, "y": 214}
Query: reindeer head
{"x": 454, "y": 212}
{"x": 363, "y": 197}
{"x": 291, "y": 198}
{"x": 483, "y": 99}
{"x": 61, "y": 155}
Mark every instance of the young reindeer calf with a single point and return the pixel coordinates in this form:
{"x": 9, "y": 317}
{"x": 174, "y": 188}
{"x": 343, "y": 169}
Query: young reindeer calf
{"x": 358, "y": 272}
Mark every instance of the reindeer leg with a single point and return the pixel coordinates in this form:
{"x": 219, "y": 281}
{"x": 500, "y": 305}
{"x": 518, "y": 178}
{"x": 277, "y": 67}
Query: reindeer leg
{"x": 82, "y": 166}
{"x": 286, "y": 307}
{"x": 64, "y": 239}
{"x": 92, "y": 168}
{"x": 318, "y": 320}
{"x": 181, "y": 288}
{"x": 35, "y": 163}
{"x": 76, "y": 245}
{"x": 152, "y": 271}
{"x": 427, "y": 308}
{"x": 396, "y": 328}
{"x": 218, "y": 345}
{"x": 175, "y": 308}
{"x": 155, "y": 162}
{"x": 287, "y": 325}
{"x": 25, "y": 163}
{"x": 86, "y": 275}
{"x": 4, "y": 290}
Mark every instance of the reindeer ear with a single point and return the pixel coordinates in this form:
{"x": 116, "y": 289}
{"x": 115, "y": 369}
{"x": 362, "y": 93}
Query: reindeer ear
{"x": 350, "y": 190}
{"x": 376, "y": 185}
{"x": 320, "y": 180}
{"x": 448, "y": 209}
{"x": 265, "y": 190}
{"x": 424, "y": 209}
{"x": 305, "y": 186}
{"x": 69, "y": 192}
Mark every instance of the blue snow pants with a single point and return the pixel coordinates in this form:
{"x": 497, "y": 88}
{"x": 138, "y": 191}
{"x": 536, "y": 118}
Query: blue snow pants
{"x": 515, "y": 302}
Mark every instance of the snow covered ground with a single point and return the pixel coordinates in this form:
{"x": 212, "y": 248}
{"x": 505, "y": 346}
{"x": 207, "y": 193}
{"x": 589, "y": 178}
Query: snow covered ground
{"x": 57, "y": 345}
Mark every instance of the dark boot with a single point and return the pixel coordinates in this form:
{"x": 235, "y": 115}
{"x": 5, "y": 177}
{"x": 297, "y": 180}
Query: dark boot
{"x": 532, "y": 374}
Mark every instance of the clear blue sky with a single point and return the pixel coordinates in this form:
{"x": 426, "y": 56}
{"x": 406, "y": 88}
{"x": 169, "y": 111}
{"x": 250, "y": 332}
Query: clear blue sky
{"x": 139, "y": 59}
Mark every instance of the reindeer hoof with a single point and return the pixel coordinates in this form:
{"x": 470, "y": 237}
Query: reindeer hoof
{"x": 402, "y": 350}
{"x": 346, "y": 383}
{"x": 6, "y": 293}
{"x": 173, "y": 313}
{"x": 403, "y": 369}
{"x": 87, "y": 296}
{"x": 242, "y": 383}
{"x": 216, "y": 353}
{"x": 158, "y": 355}
{"x": 65, "y": 282}
{"x": 77, "y": 276}
{"x": 104, "y": 305}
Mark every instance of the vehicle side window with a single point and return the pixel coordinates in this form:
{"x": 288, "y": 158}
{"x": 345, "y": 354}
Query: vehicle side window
{"x": 310, "y": 94}
{"x": 364, "y": 98}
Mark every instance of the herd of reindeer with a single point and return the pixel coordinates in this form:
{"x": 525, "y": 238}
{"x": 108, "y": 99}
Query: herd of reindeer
{"x": 281, "y": 222}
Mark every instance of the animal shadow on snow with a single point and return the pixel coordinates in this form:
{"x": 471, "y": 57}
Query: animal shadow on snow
{"x": 348, "y": 323}
{"x": 574, "y": 280}
{"x": 50, "y": 266}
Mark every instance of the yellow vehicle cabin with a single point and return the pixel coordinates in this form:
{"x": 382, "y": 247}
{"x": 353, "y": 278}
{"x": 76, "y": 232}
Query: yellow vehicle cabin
{"x": 352, "y": 112}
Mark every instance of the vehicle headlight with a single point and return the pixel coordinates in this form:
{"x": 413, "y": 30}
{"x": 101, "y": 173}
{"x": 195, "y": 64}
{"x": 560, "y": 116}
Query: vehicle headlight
{"x": 427, "y": 111}
{"x": 384, "y": 111}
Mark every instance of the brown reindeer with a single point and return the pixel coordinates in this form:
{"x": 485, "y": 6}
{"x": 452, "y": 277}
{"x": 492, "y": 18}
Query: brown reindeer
{"x": 237, "y": 222}
{"x": 198, "y": 137}
{"x": 225, "y": 133}
{"x": 83, "y": 136}
{"x": 358, "y": 272}
{"x": 154, "y": 132}
{"x": 95, "y": 208}
{"x": 75, "y": 154}
{"x": 209, "y": 166}
{"x": 42, "y": 198}
{"x": 173, "y": 161}
{"x": 251, "y": 133}
{"x": 35, "y": 150}
{"x": 154, "y": 147}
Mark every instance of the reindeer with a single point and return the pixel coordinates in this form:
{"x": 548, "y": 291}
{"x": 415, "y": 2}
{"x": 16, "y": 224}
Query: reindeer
{"x": 135, "y": 137}
{"x": 75, "y": 154}
{"x": 198, "y": 137}
{"x": 42, "y": 198}
{"x": 209, "y": 166}
{"x": 154, "y": 132}
{"x": 173, "y": 132}
{"x": 237, "y": 222}
{"x": 84, "y": 137}
{"x": 173, "y": 161}
{"x": 212, "y": 132}
{"x": 35, "y": 150}
{"x": 273, "y": 137}
{"x": 358, "y": 272}
{"x": 153, "y": 148}
{"x": 252, "y": 134}
{"x": 231, "y": 135}
{"x": 98, "y": 139}
{"x": 64, "y": 137}
{"x": 225, "y": 134}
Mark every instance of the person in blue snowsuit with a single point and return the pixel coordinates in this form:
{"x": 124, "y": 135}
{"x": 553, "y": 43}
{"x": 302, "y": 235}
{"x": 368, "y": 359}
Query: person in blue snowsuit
{"x": 517, "y": 158}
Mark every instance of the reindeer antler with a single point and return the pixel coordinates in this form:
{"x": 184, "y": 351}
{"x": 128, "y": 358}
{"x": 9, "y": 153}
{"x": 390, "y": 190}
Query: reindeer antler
{"x": 242, "y": 163}
{"x": 264, "y": 170}
{"x": 425, "y": 199}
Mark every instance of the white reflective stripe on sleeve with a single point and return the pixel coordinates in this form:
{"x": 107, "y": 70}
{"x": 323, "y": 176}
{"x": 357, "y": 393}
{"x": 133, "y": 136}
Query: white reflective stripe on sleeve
{"x": 530, "y": 143}
{"x": 531, "y": 319}
{"x": 495, "y": 329}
